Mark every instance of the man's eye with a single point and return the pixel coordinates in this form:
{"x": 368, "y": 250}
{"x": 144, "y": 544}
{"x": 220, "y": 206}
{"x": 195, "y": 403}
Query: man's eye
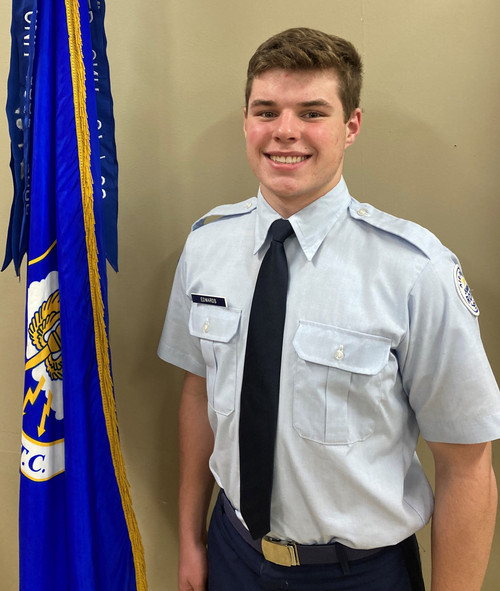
{"x": 313, "y": 115}
{"x": 266, "y": 114}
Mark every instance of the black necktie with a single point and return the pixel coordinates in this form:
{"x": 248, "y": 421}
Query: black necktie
{"x": 261, "y": 383}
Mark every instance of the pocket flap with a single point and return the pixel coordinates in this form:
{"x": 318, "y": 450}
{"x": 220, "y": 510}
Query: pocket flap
{"x": 214, "y": 323}
{"x": 344, "y": 349}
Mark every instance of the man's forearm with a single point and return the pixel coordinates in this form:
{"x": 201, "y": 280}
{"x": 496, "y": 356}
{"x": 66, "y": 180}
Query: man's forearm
{"x": 464, "y": 519}
{"x": 196, "y": 482}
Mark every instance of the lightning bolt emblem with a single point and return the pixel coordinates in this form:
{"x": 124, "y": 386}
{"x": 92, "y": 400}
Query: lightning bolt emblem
{"x": 31, "y": 396}
{"x": 45, "y": 414}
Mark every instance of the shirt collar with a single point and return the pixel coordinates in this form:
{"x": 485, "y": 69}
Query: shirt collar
{"x": 311, "y": 224}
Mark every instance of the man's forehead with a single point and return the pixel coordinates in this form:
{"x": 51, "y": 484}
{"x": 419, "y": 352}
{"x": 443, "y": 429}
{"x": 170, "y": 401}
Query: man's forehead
{"x": 313, "y": 73}
{"x": 310, "y": 87}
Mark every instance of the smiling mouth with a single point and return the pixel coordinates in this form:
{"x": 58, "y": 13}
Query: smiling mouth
{"x": 287, "y": 159}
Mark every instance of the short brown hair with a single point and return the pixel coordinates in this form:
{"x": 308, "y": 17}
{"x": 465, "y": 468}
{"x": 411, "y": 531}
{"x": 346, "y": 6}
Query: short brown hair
{"x": 309, "y": 49}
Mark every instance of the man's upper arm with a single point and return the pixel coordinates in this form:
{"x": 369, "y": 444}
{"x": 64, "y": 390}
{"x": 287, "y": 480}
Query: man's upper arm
{"x": 194, "y": 385}
{"x": 462, "y": 460}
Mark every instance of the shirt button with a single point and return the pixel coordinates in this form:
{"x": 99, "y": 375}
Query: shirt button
{"x": 206, "y": 326}
{"x": 339, "y": 353}
{"x": 248, "y": 204}
{"x": 362, "y": 211}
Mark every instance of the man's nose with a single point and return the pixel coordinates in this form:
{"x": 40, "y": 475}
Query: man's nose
{"x": 287, "y": 127}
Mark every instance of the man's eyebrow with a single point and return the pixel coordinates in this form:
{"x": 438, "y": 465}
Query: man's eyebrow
{"x": 315, "y": 103}
{"x": 262, "y": 103}
{"x": 305, "y": 104}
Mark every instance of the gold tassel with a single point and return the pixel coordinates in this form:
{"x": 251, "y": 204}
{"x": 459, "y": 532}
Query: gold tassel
{"x": 101, "y": 339}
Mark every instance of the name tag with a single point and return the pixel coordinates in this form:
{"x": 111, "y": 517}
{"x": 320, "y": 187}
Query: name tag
{"x": 199, "y": 298}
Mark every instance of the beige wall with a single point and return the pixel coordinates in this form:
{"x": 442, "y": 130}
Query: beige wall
{"x": 428, "y": 151}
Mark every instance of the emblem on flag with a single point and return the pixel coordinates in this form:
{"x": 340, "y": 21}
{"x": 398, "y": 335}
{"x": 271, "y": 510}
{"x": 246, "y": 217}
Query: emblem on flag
{"x": 42, "y": 454}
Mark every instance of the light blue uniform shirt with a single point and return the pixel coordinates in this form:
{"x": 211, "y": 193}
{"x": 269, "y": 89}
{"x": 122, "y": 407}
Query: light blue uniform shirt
{"x": 381, "y": 341}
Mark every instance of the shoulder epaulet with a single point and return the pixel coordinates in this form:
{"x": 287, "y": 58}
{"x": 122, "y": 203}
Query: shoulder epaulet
{"x": 224, "y": 211}
{"x": 418, "y": 236}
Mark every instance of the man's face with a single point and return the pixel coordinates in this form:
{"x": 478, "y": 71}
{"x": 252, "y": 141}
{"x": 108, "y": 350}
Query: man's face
{"x": 296, "y": 136}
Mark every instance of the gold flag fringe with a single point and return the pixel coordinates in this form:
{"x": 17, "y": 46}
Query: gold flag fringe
{"x": 101, "y": 339}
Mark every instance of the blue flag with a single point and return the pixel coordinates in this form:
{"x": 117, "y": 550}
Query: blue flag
{"x": 19, "y": 118}
{"x": 77, "y": 529}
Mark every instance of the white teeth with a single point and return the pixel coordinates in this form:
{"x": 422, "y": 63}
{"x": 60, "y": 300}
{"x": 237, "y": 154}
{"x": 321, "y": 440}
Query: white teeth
{"x": 287, "y": 159}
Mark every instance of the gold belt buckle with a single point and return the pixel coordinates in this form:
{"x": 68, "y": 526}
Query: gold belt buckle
{"x": 280, "y": 552}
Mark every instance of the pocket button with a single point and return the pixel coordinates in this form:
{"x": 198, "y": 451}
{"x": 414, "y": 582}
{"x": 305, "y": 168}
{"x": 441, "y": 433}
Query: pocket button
{"x": 339, "y": 353}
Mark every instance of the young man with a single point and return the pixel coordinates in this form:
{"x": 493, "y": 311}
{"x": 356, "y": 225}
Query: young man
{"x": 380, "y": 342}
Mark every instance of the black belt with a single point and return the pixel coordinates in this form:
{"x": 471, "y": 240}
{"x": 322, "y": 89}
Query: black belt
{"x": 288, "y": 553}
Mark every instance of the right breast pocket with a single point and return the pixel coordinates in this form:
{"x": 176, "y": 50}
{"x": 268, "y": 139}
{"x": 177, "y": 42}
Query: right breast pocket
{"x": 337, "y": 383}
{"x": 216, "y": 327}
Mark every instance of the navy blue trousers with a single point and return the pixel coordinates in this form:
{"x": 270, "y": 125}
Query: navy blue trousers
{"x": 235, "y": 566}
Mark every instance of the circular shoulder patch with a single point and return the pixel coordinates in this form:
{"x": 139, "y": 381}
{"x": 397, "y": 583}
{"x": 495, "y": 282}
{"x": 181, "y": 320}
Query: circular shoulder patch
{"x": 464, "y": 291}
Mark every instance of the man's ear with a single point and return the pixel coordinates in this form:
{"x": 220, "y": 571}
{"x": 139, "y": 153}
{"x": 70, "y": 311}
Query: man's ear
{"x": 245, "y": 120}
{"x": 352, "y": 127}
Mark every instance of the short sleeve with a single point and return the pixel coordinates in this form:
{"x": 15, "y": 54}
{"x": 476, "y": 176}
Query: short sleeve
{"x": 177, "y": 346}
{"x": 444, "y": 367}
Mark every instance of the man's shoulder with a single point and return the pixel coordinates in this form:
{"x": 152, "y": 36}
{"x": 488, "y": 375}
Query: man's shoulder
{"x": 223, "y": 212}
{"x": 402, "y": 230}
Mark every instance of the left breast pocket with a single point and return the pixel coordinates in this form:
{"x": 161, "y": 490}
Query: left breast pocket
{"x": 216, "y": 327}
{"x": 337, "y": 383}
